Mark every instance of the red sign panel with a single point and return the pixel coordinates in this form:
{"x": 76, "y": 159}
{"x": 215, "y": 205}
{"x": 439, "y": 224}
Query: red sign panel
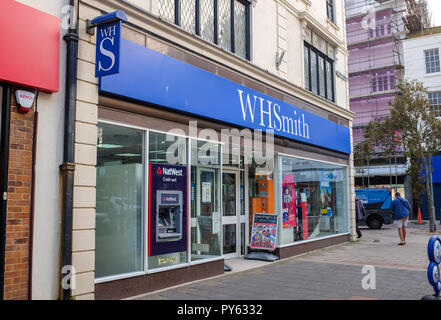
{"x": 29, "y": 46}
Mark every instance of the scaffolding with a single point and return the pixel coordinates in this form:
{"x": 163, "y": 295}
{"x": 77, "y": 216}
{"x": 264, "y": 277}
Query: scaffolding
{"x": 375, "y": 30}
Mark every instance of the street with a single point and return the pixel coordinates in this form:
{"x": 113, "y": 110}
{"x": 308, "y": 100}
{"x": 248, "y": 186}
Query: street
{"x": 335, "y": 273}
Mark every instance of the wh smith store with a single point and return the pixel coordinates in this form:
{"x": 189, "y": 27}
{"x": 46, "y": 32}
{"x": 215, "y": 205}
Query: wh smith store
{"x": 175, "y": 199}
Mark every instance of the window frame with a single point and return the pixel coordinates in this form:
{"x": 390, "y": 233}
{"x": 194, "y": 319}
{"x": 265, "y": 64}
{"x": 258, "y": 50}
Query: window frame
{"x": 435, "y": 102}
{"x": 278, "y": 180}
{"x": 146, "y": 154}
{"x": 308, "y": 48}
{"x": 330, "y": 10}
{"x": 431, "y": 66}
{"x": 197, "y": 31}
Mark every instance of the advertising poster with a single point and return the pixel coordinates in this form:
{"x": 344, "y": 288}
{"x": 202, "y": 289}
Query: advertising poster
{"x": 264, "y": 231}
{"x": 326, "y": 199}
{"x": 171, "y": 182}
{"x": 289, "y": 201}
{"x": 206, "y": 192}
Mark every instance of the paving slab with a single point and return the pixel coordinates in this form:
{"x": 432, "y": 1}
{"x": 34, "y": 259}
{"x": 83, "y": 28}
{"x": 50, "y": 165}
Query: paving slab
{"x": 333, "y": 273}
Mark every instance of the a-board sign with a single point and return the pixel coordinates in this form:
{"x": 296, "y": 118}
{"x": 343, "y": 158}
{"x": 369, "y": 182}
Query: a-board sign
{"x": 264, "y": 231}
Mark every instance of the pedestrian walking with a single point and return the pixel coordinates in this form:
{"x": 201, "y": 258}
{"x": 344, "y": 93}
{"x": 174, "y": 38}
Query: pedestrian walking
{"x": 401, "y": 207}
{"x": 360, "y": 214}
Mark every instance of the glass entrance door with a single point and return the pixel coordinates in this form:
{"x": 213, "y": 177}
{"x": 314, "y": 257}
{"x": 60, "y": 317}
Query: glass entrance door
{"x": 231, "y": 217}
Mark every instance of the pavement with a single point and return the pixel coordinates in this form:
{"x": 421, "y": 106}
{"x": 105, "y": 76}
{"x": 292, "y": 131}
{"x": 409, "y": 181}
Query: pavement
{"x": 372, "y": 268}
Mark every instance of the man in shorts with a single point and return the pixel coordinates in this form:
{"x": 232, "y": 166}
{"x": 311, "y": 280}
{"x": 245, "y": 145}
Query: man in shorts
{"x": 400, "y": 207}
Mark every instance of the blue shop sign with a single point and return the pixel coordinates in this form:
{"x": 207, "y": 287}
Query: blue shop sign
{"x": 149, "y": 76}
{"x": 108, "y": 42}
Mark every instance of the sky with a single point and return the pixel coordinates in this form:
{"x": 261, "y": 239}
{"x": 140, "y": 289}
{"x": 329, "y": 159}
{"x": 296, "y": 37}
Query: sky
{"x": 435, "y": 9}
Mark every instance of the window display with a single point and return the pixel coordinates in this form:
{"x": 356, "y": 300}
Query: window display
{"x": 260, "y": 192}
{"x": 119, "y": 201}
{"x": 314, "y": 199}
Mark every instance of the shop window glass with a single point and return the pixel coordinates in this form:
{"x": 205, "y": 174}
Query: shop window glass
{"x": 119, "y": 201}
{"x": 260, "y": 191}
{"x": 206, "y": 223}
{"x": 167, "y": 149}
{"x": 167, "y": 200}
{"x": 314, "y": 199}
{"x": 231, "y": 156}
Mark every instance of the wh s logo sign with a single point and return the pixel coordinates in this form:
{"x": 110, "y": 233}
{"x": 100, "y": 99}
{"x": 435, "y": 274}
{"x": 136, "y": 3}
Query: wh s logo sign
{"x": 107, "y": 49}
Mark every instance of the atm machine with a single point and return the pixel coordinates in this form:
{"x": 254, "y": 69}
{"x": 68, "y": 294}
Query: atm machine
{"x": 168, "y": 215}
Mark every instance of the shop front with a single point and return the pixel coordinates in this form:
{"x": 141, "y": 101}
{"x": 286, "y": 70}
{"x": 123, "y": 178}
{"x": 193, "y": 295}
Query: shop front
{"x": 27, "y": 69}
{"x": 188, "y": 161}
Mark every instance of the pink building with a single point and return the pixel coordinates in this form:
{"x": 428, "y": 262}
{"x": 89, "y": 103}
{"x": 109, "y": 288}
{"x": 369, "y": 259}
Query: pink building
{"x": 374, "y": 61}
{"x": 375, "y": 31}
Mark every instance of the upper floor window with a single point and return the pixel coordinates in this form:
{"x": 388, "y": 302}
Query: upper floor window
{"x": 380, "y": 30}
{"x": 319, "y": 59}
{"x": 330, "y": 10}
{"x": 223, "y": 22}
{"x": 435, "y": 102}
{"x": 432, "y": 61}
{"x": 383, "y": 81}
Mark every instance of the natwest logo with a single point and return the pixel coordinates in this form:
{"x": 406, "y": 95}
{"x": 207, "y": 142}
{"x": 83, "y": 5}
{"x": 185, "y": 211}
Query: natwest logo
{"x": 173, "y": 172}
{"x": 170, "y": 172}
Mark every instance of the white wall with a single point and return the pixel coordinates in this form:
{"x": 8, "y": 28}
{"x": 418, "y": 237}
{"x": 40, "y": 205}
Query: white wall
{"x": 49, "y": 156}
{"x": 276, "y": 27}
{"x": 414, "y": 60}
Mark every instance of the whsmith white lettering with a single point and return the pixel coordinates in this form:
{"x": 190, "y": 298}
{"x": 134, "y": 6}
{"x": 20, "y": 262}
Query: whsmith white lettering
{"x": 271, "y": 117}
{"x": 108, "y": 34}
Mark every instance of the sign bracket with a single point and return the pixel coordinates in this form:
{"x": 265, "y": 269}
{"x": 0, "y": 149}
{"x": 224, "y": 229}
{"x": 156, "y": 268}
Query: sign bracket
{"x": 104, "y": 19}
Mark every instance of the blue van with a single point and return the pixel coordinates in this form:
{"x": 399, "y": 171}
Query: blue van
{"x": 377, "y": 203}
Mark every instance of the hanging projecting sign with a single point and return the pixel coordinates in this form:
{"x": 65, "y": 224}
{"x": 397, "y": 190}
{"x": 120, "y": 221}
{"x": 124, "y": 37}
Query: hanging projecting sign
{"x": 108, "y": 43}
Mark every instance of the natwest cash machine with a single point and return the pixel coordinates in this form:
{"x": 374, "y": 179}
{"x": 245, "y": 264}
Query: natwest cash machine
{"x": 168, "y": 217}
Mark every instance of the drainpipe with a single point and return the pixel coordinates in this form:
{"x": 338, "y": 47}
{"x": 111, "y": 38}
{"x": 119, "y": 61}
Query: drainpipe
{"x": 31, "y": 222}
{"x": 68, "y": 167}
{"x": 4, "y": 160}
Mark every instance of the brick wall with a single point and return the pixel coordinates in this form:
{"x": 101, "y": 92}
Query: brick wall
{"x": 18, "y": 204}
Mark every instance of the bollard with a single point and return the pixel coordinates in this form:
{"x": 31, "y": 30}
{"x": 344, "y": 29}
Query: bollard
{"x": 433, "y": 272}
